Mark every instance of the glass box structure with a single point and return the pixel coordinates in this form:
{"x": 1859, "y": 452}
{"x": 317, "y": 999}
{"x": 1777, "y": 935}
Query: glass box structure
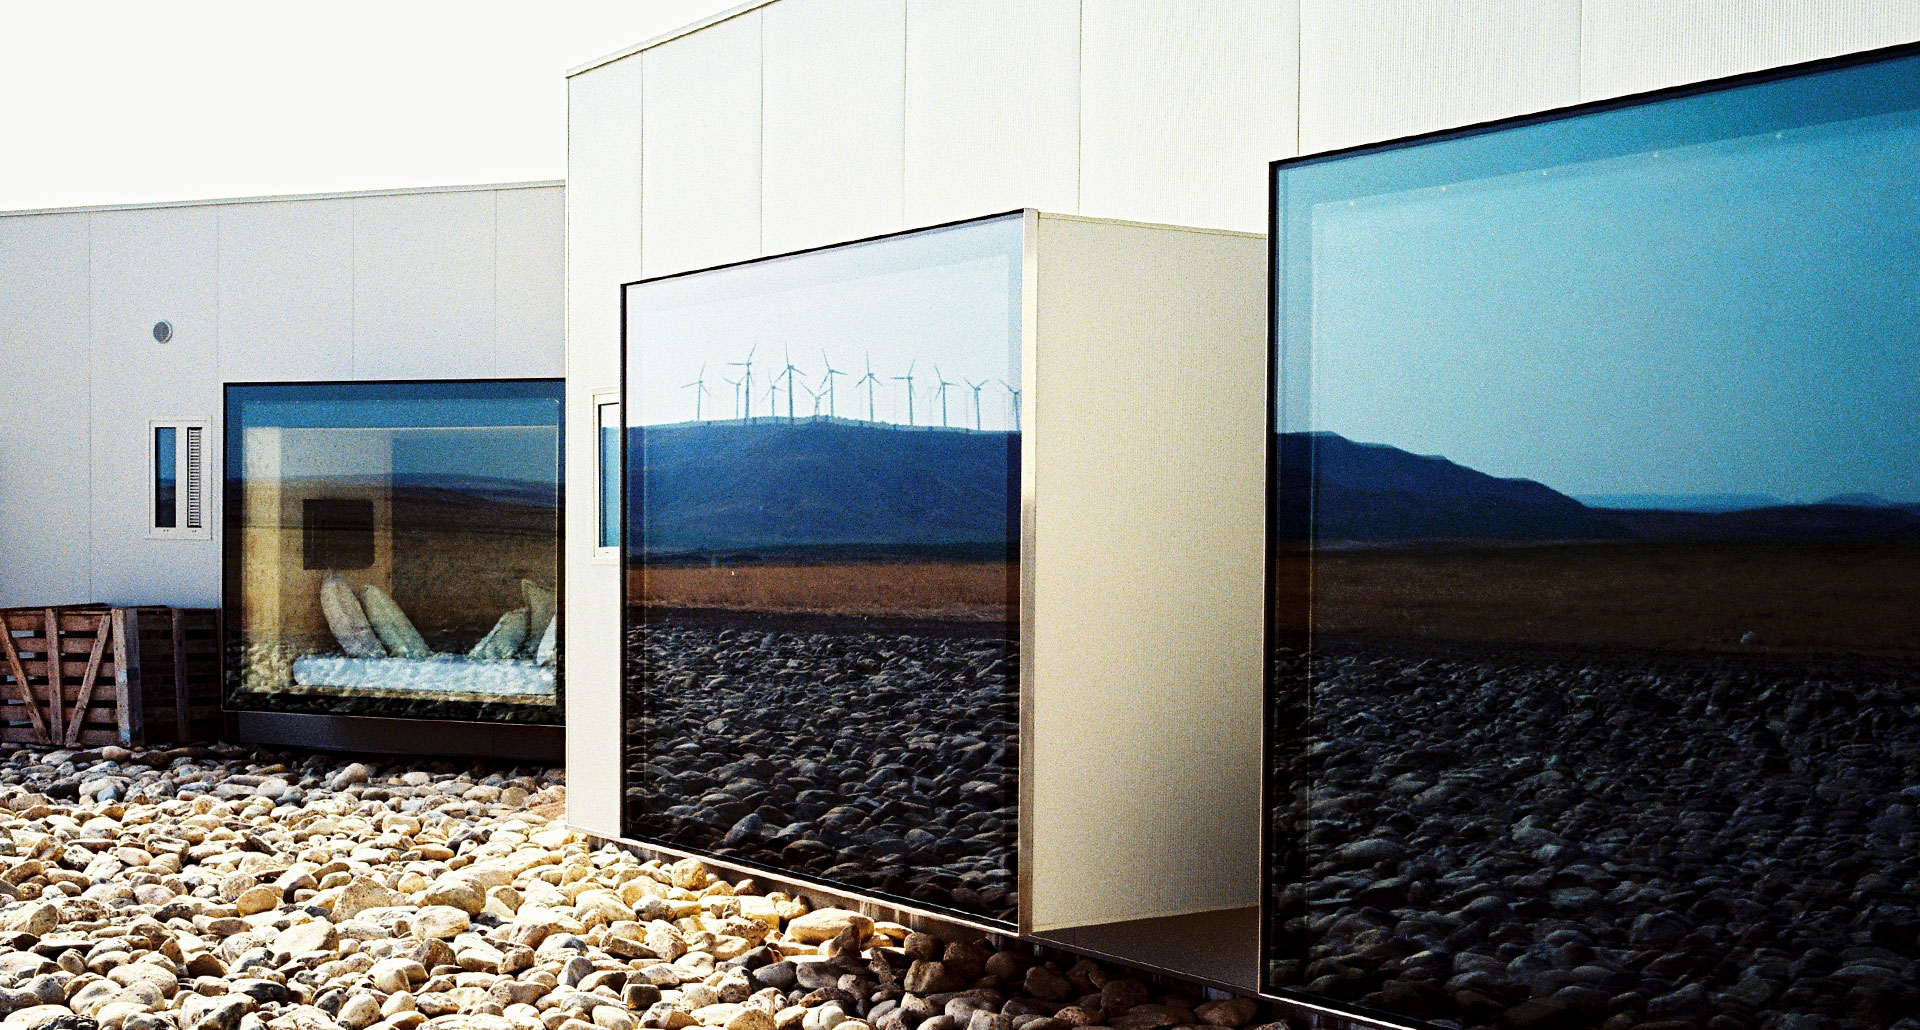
{"x": 393, "y": 549}
{"x": 866, "y": 647}
{"x": 1596, "y": 563}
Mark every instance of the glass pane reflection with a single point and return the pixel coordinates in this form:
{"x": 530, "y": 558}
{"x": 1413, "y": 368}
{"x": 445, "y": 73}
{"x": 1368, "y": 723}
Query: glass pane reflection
{"x": 394, "y": 549}
{"x": 1607, "y": 427}
{"x": 823, "y": 504}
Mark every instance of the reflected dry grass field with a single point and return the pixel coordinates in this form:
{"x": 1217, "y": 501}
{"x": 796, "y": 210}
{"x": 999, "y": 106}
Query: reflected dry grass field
{"x": 1859, "y": 597}
{"x": 946, "y": 590}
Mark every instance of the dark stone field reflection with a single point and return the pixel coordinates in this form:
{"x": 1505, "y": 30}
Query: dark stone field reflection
{"x": 880, "y": 755}
{"x": 1529, "y": 836}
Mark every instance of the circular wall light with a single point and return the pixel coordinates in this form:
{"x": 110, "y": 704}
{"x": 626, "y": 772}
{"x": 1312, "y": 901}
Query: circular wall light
{"x": 162, "y": 332}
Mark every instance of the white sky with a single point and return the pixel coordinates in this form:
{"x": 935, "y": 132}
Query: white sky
{"x": 122, "y": 102}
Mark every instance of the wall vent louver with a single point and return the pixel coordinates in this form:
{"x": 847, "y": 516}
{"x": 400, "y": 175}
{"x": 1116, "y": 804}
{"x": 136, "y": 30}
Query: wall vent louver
{"x": 194, "y": 478}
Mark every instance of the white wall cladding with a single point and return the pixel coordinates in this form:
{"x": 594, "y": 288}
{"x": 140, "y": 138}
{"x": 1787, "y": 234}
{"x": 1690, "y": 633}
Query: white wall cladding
{"x": 1182, "y": 105}
{"x": 150, "y": 265}
{"x": 44, "y": 439}
{"x": 423, "y": 284}
{"x": 701, "y": 126}
{"x": 827, "y": 180}
{"x": 1631, "y": 46}
{"x": 603, "y": 251}
{"x": 286, "y": 287}
{"x": 993, "y": 107}
{"x": 1374, "y": 71}
{"x": 425, "y": 300}
{"x": 529, "y": 282}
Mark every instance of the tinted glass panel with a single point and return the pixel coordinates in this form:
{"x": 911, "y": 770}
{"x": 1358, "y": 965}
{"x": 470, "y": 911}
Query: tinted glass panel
{"x": 165, "y": 479}
{"x": 1597, "y": 438}
{"x": 607, "y": 418}
{"x": 394, "y": 549}
{"x": 823, "y": 495}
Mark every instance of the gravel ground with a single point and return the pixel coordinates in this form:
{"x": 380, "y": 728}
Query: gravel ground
{"x": 1576, "y": 839}
{"x": 212, "y": 888}
{"x": 884, "y": 759}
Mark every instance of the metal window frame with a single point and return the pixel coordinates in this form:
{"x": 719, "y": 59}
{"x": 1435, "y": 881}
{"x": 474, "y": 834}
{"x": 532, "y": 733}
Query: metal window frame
{"x": 189, "y": 484}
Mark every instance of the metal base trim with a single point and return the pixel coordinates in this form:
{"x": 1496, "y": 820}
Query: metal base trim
{"x": 371, "y": 735}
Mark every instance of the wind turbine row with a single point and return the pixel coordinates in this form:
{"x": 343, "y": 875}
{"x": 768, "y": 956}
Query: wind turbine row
{"x": 787, "y": 381}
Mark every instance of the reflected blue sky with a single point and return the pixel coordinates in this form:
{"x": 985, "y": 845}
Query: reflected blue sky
{"x": 938, "y": 304}
{"x": 443, "y": 431}
{"x": 1715, "y": 294}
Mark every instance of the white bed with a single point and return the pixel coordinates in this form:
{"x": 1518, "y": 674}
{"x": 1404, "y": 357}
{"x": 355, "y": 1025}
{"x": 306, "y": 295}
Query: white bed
{"x": 440, "y": 674}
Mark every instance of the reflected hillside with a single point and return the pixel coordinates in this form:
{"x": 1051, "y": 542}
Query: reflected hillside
{"x": 821, "y": 490}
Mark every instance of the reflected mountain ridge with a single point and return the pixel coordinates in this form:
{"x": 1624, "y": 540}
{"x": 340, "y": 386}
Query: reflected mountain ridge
{"x": 1377, "y": 492}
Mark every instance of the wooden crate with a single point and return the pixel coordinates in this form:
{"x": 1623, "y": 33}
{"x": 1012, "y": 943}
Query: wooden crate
{"x": 132, "y": 676}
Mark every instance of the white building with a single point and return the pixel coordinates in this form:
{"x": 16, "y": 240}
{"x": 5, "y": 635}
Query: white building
{"x": 405, "y": 284}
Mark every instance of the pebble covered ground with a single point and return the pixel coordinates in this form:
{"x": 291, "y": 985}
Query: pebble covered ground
{"x": 214, "y": 888}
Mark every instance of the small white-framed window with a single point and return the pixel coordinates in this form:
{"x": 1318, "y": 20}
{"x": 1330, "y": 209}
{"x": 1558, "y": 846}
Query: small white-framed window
{"x": 606, "y": 432}
{"x": 177, "y": 480}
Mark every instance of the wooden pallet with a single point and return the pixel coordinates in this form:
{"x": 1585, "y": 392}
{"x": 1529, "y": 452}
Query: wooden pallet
{"x": 87, "y": 676}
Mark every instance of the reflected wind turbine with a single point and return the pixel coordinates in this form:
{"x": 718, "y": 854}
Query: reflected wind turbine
{"x": 827, "y": 378}
{"x": 871, "y": 380}
{"x": 1014, "y": 392}
{"x": 700, "y": 391}
{"x": 908, "y": 379}
{"x": 975, "y": 387}
{"x": 942, "y": 380}
{"x": 746, "y": 379}
{"x": 735, "y": 383}
{"x": 788, "y": 372}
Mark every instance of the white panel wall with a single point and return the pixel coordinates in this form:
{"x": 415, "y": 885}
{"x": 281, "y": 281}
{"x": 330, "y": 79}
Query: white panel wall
{"x": 603, "y": 250}
{"x": 1182, "y": 106}
{"x": 831, "y": 179}
{"x": 1146, "y": 702}
{"x": 44, "y": 410}
{"x": 423, "y": 285}
{"x": 993, "y": 107}
{"x": 1630, "y": 46}
{"x": 286, "y": 290}
{"x": 701, "y": 126}
{"x": 529, "y": 282}
{"x": 150, "y": 265}
{"x": 1377, "y": 70}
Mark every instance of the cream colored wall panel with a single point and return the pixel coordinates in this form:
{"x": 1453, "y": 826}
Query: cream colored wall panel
{"x": 993, "y": 108}
{"x": 1631, "y": 46}
{"x": 286, "y": 290}
{"x": 530, "y": 282}
{"x": 701, "y": 163}
{"x": 1379, "y": 69}
{"x": 149, "y": 265}
{"x": 1145, "y": 760}
{"x": 44, "y": 436}
{"x": 834, "y": 160}
{"x": 603, "y": 250}
{"x": 423, "y": 285}
{"x": 1182, "y": 107}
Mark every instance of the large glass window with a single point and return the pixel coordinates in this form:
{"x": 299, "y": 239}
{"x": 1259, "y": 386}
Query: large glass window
{"x": 394, "y": 549}
{"x": 823, "y": 503}
{"x": 1597, "y": 462}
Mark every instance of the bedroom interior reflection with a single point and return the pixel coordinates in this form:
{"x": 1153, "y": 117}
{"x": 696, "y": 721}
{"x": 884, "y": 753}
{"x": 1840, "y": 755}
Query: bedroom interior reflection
{"x": 394, "y": 549}
{"x": 1598, "y": 444}
{"x": 823, "y": 554}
